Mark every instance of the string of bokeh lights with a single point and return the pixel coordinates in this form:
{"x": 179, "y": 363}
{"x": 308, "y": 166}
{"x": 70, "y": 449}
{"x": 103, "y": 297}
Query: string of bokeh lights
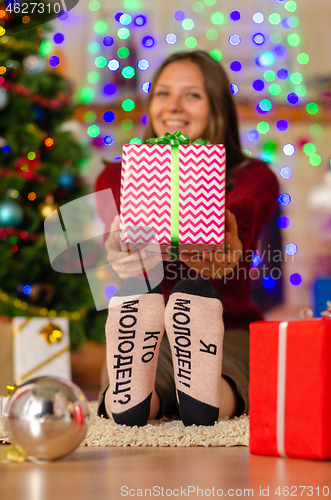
{"x": 272, "y": 83}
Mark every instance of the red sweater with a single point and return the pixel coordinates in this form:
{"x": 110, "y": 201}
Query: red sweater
{"x": 252, "y": 198}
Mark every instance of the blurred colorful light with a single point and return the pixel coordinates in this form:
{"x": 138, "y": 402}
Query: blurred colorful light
{"x": 253, "y": 135}
{"x": 171, "y": 38}
{"x": 282, "y": 125}
{"x": 284, "y": 199}
{"x": 268, "y": 282}
{"x": 292, "y": 98}
{"x": 258, "y": 85}
{"x": 258, "y": 17}
{"x": 282, "y": 74}
{"x": 100, "y": 27}
{"x": 191, "y": 42}
{"x": 280, "y": 50}
{"x": 125, "y": 19}
{"x": 123, "y": 52}
{"x": 234, "y": 15}
{"x": 58, "y": 38}
{"x": 143, "y": 64}
{"x": 109, "y": 89}
{"x": 113, "y": 64}
{"x": 128, "y": 72}
{"x": 291, "y": 249}
{"x": 108, "y": 116}
{"x": 54, "y": 61}
{"x": 303, "y": 58}
{"x": 234, "y": 40}
{"x": 179, "y": 15}
{"x": 123, "y": 33}
{"x": 283, "y": 222}
{"x": 235, "y": 66}
{"x": 234, "y": 89}
{"x": 288, "y": 149}
{"x": 108, "y": 41}
{"x": 285, "y": 172}
{"x": 258, "y": 38}
{"x": 216, "y": 54}
{"x": 146, "y": 87}
{"x": 265, "y": 59}
{"x": 295, "y": 279}
{"x": 148, "y": 41}
{"x": 108, "y": 140}
{"x": 293, "y": 39}
{"x": 140, "y": 20}
{"x": 217, "y": 18}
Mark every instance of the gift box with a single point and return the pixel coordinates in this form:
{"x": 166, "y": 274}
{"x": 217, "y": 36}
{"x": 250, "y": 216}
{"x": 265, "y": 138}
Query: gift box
{"x": 290, "y": 388}
{"x": 31, "y": 347}
{"x": 3, "y": 401}
{"x": 176, "y": 191}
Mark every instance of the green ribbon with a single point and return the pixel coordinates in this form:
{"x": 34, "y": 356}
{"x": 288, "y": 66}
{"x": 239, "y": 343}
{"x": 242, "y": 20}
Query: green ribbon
{"x": 175, "y": 140}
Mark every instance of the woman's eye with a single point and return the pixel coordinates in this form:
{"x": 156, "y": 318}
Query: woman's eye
{"x": 161, "y": 93}
{"x": 194, "y": 95}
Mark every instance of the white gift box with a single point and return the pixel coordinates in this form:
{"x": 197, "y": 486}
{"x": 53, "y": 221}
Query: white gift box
{"x": 32, "y": 347}
{"x": 39, "y": 350}
{"x": 3, "y": 402}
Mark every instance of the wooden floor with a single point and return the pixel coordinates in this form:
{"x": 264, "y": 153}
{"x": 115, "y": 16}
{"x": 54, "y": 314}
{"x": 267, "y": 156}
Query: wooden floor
{"x": 115, "y": 473}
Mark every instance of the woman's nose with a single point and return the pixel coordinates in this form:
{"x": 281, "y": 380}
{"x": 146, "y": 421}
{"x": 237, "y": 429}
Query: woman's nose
{"x": 175, "y": 103}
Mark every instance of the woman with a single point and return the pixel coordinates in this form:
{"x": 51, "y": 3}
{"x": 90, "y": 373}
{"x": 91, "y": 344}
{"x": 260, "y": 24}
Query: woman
{"x": 190, "y": 92}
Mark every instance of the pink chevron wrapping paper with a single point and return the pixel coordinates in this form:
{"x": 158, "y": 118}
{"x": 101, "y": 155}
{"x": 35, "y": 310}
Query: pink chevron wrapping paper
{"x": 146, "y": 195}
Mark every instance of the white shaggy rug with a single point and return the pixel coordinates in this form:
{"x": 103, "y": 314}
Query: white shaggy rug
{"x": 104, "y": 432}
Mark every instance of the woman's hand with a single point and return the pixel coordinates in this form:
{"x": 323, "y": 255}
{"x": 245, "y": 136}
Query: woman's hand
{"x": 124, "y": 263}
{"x": 221, "y": 262}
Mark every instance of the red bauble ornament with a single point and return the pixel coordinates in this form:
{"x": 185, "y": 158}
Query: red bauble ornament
{"x": 26, "y": 166}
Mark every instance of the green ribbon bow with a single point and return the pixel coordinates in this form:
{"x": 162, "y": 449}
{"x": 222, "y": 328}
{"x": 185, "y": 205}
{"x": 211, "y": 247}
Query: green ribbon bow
{"x": 175, "y": 140}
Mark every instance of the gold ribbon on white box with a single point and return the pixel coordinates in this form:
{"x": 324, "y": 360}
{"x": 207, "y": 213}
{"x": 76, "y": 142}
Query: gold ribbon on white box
{"x": 281, "y": 387}
{"x": 35, "y": 354}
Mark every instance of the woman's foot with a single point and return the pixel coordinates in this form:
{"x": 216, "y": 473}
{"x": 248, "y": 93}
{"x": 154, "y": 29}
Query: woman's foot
{"x": 134, "y": 330}
{"x": 194, "y": 325}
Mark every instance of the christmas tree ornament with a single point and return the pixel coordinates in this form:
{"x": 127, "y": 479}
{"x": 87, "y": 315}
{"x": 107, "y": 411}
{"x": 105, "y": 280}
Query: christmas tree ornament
{"x": 66, "y": 180}
{"x": 38, "y": 113}
{"x": 47, "y": 417}
{"x": 11, "y": 214}
{"x": 4, "y": 98}
{"x": 41, "y": 293}
{"x": 12, "y": 64}
{"x": 24, "y": 164}
{"x": 48, "y": 207}
{"x": 34, "y": 65}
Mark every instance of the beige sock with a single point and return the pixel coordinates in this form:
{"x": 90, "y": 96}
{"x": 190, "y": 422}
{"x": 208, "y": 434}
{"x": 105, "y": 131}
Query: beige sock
{"x": 134, "y": 330}
{"x": 194, "y": 326}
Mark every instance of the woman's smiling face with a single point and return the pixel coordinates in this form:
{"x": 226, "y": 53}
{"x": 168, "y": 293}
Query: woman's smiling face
{"x": 180, "y": 101}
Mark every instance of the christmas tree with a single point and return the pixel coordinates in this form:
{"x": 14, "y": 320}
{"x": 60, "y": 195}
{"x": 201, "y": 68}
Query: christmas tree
{"x": 40, "y": 166}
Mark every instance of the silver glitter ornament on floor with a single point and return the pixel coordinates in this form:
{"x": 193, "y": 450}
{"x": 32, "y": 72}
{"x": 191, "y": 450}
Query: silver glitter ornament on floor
{"x": 48, "y": 417}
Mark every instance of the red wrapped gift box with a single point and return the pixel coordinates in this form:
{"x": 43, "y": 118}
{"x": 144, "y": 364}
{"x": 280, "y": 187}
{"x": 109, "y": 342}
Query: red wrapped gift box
{"x": 290, "y": 388}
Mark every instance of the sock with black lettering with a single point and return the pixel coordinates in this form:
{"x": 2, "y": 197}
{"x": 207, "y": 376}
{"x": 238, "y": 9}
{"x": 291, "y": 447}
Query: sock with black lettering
{"x": 134, "y": 330}
{"x": 194, "y": 326}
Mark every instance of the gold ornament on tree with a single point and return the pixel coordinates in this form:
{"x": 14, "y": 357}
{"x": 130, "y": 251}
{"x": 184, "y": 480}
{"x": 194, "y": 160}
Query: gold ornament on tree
{"x": 48, "y": 207}
{"x": 41, "y": 293}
